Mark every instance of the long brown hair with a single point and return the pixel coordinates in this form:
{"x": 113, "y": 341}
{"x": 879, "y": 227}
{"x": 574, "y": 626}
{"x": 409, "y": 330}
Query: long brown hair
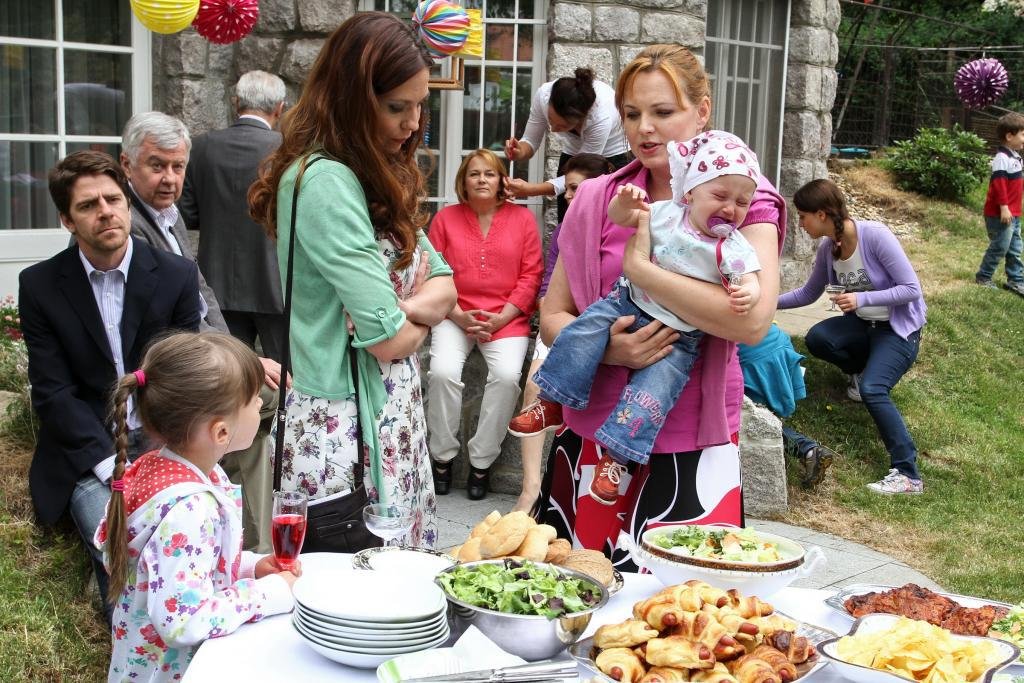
{"x": 824, "y": 195}
{"x": 189, "y": 377}
{"x": 678, "y": 64}
{"x": 370, "y": 54}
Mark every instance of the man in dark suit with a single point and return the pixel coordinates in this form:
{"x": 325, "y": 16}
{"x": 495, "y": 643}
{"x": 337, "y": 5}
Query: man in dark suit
{"x": 235, "y": 254}
{"x": 156, "y": 150}
{"x": 88, "y": 314}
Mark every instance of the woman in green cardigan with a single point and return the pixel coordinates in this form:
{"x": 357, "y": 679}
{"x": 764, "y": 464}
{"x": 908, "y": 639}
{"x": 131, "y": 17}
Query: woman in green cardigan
{"x": 359, "y": 257}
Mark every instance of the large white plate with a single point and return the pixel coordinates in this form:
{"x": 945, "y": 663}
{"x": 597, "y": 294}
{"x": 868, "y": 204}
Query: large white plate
{"x": 362, "y": 660}
{"x": 871, "y": 623}
{"x": 369, "y": 596}
{"x": 362, "y": 630}
{"x": 408, "y": 561}
{"x": 582, "y": 650}
{"x": 370, "y": 639}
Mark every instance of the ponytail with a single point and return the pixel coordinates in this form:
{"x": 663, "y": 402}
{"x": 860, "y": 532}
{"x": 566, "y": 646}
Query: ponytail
{"x": 573, "y": 96}
{"x": 117, "y": 523}
{"x": 824, "y": 195}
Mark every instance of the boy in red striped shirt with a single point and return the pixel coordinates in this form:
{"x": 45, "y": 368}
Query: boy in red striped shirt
{"x": 1003, "y": 207}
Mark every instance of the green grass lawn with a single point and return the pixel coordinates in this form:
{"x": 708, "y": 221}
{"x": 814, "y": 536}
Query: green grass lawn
{"x": 963, "y": 404}
{"x": 962, "y": 401}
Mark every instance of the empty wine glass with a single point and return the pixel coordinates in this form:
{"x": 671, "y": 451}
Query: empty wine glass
{"x": 389, "y": 522}
{"x": 833, "y": 291}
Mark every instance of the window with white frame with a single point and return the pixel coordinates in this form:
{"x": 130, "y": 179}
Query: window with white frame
{"x": 71, "y": 74}
{"x": 497, "y": 89}
{"x": 745, "y": 56}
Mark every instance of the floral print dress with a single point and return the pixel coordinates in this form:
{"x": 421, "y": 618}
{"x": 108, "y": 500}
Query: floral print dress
{"x": 320, "y": 442}
{"x": 188, "y": 578}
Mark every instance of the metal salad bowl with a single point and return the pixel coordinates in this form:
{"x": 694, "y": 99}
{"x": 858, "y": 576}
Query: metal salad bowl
{"x": 530, "y": 636}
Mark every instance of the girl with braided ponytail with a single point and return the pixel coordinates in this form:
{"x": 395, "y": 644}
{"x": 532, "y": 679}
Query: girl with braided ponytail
{"x": 877, "y": 338}
{"x": 172, "y": 537}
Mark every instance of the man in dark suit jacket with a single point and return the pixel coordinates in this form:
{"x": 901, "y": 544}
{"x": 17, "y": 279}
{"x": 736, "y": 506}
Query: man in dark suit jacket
{"x": 235, "y": 254}
{"x": 87, "y": 315}
{"x": 156, "y": 150}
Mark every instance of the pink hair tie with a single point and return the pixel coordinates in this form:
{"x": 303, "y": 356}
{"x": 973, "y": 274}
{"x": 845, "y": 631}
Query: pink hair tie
{"x": 140, "y": 377}
{"x": 117, "y": 484}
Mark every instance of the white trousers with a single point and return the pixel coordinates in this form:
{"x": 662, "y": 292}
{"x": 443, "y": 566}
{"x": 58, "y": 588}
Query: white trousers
{"x": 449, "y": 348}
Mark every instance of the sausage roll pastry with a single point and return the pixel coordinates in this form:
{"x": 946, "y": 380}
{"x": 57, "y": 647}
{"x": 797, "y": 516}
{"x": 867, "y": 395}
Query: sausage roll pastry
{"x": 622, "y": 664}
{"x": 629, "y": 633}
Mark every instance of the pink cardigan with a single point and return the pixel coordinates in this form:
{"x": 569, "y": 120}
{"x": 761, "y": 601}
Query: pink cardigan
{"x": 591, "y": 247}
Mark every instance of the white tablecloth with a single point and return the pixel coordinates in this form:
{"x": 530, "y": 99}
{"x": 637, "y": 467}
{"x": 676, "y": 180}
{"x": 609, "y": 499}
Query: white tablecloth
{"x": 272, "y": 650}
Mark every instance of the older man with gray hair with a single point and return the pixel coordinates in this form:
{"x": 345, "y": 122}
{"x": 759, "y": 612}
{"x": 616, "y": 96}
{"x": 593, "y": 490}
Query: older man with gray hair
{"x": 156, "y": 149}
{"x": 236, "y": 256}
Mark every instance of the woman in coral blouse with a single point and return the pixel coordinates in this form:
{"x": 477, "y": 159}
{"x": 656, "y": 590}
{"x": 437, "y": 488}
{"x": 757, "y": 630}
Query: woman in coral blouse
{"x": 494, "y": 249}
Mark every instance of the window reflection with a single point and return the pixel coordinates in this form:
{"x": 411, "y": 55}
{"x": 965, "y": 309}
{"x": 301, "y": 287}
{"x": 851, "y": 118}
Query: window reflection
{"x": 105, "y": 23}
{"x": 500, "y": 45}
{"x": 28, "y": 81}
{"x": 24, "y": 197}
{"x": 97, "y": 92}
{"x": 27, "y": 19}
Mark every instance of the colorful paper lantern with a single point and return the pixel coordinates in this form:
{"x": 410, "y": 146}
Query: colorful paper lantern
{"x": 981, "y": 82}
{"x": 474, "y": 46}
{"x": 226, "y": 21}
{"x": 443, "y": 25}
{"x": 165, "y": 16}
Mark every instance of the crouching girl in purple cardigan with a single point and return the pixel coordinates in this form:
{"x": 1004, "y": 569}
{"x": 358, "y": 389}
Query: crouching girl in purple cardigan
{"x": 877, "y": 338}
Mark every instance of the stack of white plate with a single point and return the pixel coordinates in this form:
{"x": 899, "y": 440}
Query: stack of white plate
{"x": 365, "y": 618}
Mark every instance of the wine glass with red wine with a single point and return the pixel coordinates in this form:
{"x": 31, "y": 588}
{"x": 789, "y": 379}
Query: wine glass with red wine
{"x": 288, "y": 527}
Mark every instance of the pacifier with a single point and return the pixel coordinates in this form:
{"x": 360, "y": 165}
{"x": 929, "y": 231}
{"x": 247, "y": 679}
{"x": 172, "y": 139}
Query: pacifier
{"x": 719, "y": 227}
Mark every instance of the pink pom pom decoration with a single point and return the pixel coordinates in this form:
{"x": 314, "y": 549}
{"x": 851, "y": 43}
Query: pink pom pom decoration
{"x": 226, "y": 21}
{"x": 981, "y": 82}
{"x": 443, "y": 26}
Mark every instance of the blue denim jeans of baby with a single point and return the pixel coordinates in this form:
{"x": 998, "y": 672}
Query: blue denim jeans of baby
{"x": 568, "y": 373}
{"x": 1004, "y": 242}
{"x": 881, "y": 357}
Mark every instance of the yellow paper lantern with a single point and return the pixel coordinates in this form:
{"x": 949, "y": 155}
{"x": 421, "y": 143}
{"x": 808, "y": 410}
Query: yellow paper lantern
{"x": 474, "y": 45}
{"x": 165, "y": 16}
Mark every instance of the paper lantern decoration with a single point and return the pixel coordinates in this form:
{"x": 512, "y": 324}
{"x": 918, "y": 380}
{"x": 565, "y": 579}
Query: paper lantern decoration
{"x": 474, "y": 46}
{"x": 981, "y": 82}
{"x": 226, "y": 21}
{"x": 165, "y": 16}
{"x": 443, "y": 26}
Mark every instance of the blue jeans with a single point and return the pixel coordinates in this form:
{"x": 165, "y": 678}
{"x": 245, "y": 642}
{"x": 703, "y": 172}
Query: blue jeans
{"x": 794, "y": 443}
{"x": 881, "y": 357}
{"x": 89, "y": 506}
{"x": 568, "y": 373}
{"x": 1004, "y": 242}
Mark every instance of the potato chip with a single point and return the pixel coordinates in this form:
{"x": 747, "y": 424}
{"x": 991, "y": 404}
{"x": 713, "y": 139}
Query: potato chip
{"x": 919, "y": 651}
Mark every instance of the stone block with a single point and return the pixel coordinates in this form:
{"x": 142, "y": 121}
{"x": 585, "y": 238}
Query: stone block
{"x": 277, "y": 16}
{"x": 763, "y": 462}
{"x": 833, "y": 15}
{"x": 221, "y": 62}
{"x": 298, "y": 58}
{"x": 323, "y": 16}
{"x": 793, "y": 273}
{"x": 812, "y": 45}
{"x": 201, "y": 104}
{"x": 801, "y": 135}
{"x": 259, "y": 52}
{"x": 683, "y": 29}
{"x": 619, "y": 24}
{"x": 803, "y": 87}
{"x": 809, "y": 13}
{"x": 627, "y": 53}
{"x": 795, "y": 172}
{"x": 571, "y": 22}
{"x": 564, "y": 59}
{"x": 184, "y": 54}
{"x": 697, "y": 7}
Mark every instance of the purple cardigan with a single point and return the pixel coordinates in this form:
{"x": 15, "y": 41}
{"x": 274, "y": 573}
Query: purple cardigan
{"x": 893, "y": 277}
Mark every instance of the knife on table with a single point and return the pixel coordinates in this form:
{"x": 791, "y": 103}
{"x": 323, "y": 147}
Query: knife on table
{"x": 539, "y": 671}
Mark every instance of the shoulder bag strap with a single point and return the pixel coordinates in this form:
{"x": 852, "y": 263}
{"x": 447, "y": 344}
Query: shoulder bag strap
{"x": 282, "y": 409}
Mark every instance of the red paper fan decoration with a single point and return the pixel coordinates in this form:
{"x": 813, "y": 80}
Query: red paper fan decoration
{"x": 225, "y": 21}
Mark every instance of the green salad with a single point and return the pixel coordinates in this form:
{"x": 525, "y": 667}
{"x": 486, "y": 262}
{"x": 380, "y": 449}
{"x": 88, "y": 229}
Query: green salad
{"x": 517, "y": 587}
{"x": 1011, "y": 627}
{"x": 737, "y": 545}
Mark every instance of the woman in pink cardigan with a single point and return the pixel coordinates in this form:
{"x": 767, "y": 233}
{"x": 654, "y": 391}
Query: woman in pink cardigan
{"x": 494, "y": 249}
{"x": 693, "y": 474}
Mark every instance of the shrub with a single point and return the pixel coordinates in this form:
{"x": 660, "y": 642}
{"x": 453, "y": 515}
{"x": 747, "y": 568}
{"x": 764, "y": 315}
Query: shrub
{"x": 947, "y": 164}
{"x": 10, "y": 320}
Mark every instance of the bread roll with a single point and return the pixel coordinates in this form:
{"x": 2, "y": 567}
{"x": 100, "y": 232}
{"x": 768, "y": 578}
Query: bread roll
{"x": 470, "y": 551}
{"x": 535, "y": 546}
{"x": 506, "y": 535}
{"x": 558, "y": 551}
{"x": 549, "y": 532}
{"x": 486, "y": 523}
{"x": 593, "y": 563}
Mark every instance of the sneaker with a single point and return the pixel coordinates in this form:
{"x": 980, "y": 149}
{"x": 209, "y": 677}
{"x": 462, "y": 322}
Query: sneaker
{"x": 896, "y": 483}
{"x": 816, "y": 462}
{"x": 605, "y": 486}
{"x": 853, "y": 391}
{"x": 538, "y": 417}
{"x": 1015, "y": 287}
{"x": 985, "y": 282}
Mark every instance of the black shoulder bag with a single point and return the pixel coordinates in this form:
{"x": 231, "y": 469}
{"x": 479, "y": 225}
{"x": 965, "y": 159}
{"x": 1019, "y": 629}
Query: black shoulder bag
{"x": 337, "y": 524}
